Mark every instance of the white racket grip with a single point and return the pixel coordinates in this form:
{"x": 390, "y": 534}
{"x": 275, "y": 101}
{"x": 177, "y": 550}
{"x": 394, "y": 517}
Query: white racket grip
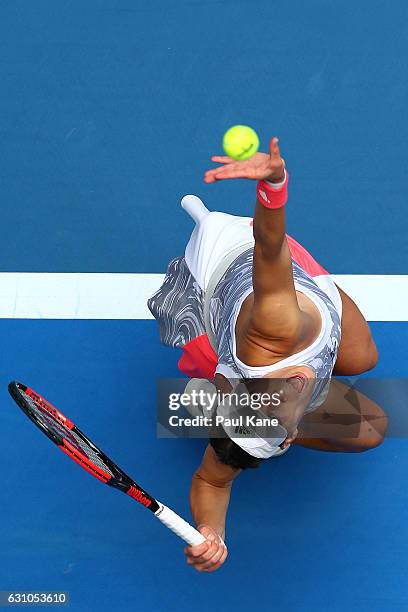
{"x": 180, "y": 527}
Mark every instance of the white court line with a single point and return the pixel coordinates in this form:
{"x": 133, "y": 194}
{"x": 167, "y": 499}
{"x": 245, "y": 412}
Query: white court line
{"x": 32, "y": 295}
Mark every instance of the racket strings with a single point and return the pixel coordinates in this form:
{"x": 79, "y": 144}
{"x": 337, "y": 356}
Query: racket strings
{"x": 89, "y": 452}
{"x": 49, "y": 418}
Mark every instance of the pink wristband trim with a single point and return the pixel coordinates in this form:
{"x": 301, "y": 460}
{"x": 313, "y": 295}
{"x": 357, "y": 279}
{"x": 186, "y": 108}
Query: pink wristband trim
{"x": 270, "y": 197}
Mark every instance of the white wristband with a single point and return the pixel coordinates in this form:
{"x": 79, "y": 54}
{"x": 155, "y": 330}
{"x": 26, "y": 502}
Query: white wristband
{"x": 277, "y": 185}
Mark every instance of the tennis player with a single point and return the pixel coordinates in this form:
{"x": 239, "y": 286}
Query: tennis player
{"x": 248, "y": 302}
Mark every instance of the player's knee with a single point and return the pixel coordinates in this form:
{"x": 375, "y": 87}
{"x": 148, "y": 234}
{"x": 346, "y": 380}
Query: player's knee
{"x": 365, "y": 358}
{"x": 359, "y": 445}
{"x": 372, "y": 355}
{"x": 371, "y": 435}
{"x": 368, "y": 442}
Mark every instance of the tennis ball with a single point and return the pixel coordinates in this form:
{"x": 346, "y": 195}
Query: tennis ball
{"x": 240, "y": 142}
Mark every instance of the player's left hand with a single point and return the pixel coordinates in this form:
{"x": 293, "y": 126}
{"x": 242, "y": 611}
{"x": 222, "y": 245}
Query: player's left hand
{"x": 259, "y": 166}
{"x": 208, "y": 556}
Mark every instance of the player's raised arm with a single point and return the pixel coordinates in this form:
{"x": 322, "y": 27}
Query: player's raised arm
{"x": 275, "y": 311}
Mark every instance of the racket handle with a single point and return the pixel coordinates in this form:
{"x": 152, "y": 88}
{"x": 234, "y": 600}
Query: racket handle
{"x": 180, "y": 527}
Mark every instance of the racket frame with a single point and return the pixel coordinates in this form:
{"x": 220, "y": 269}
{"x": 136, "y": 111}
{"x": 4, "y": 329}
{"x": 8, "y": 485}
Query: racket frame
{"x": 118, "y": 479}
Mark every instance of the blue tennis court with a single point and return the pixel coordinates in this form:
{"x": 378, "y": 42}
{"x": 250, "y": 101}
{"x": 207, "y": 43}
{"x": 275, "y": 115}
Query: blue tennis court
{"x": 109, "y": 113}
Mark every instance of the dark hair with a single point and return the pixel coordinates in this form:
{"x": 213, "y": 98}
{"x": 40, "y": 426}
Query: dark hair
{"x": 230, "y": 453}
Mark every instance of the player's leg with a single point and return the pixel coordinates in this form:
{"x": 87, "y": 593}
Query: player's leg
{"x": 357, "y": 352}
{"x": 348, "y": 421}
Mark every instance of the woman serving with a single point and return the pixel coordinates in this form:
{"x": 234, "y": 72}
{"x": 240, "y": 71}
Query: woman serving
{"x": 247, "y": 302}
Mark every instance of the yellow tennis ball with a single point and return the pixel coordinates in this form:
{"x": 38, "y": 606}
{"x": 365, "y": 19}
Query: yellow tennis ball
{"x": 240, "y": 142}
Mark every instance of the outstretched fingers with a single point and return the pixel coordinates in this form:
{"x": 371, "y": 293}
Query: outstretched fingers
{"x": 222, "y": 159}
{"x": 231, "y": 170}
{"x": 216, "y": 173}
{"x": 274, "y": 147}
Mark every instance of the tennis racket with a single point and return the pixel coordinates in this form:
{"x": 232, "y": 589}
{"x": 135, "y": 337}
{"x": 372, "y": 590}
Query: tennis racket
{"x": 76, "y": 445}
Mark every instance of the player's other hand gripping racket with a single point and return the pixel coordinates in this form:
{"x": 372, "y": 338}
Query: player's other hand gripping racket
{"x": 80, "y": 448}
